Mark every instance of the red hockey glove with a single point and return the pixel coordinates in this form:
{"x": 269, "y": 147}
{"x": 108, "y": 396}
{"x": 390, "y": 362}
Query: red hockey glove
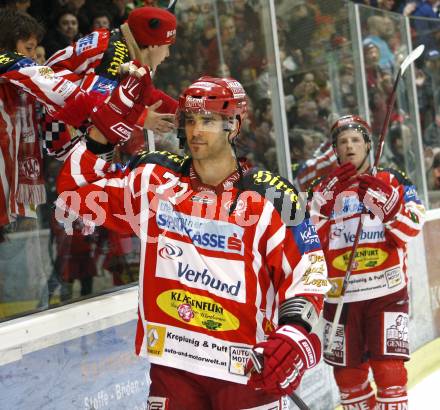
{"x": 78, "y": 108}
{"x": 116, "y": 118}
{"x": 287, "y": 354}
{"x": 338, "y": 181}
{"x": 380, "y": 198}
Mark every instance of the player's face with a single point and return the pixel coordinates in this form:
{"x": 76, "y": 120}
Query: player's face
{"x": 206, "y": 136}
{"x": 156, "y": 54}
{"x": 27, "y": 47}
{"x": 351, "y": 147}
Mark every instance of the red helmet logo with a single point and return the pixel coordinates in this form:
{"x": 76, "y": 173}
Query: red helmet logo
{"x": 224, "y": 96}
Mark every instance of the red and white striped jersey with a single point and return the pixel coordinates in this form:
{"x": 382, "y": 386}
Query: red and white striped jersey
{"x": 21, "y": 180}
{"x": 21, "y": 80}
{"x": 211, "y": 279}
{"x": 9, "y": 142}
{"x": 39, "y": 81}
{"x": 381, "y": 257}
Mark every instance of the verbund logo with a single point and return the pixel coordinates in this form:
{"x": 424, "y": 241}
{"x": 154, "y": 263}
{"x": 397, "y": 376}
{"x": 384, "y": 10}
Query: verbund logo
{"x": 182, "y": 262}
{"x": 207, "y": 279}
{"x": 170, "y": 251}
{"x": 344, "y": 235}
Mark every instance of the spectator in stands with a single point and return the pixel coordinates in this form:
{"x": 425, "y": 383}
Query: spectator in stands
{"x": 432, "y": 66}
{"x": 250, "y": 56}
{"x": 431, "y": 136}
{"x": 22, "y": 183}
{"x": 300, "y": 17}
{"x": 390, "y": 5}
{"x": 301, "y": 148}
{"x": 426, "y": 8}
{"x": 65, "y": 33}
{"x": 292, "y": 61}
{"x": 378, "y": 108}
{"x": 231, "y": 47}
{"x": 245, "y": 19}
{"x": 307, "y": 89}
{"x": 396, "y": 157}
{"x": 433, "y": 172}
{"x": 101, "y": 19}
{"x": 20, "y": 191}
{"x": 425, "y": 27}
{"x": 20, "y": 5}
{"x": 378, "y": 33}
{"x": 385, "y": 4}
{"x": 348, "y": 87}
{"x": 307, "y": 116}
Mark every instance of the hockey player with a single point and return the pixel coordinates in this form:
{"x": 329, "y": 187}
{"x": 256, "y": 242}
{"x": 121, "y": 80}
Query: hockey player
{"x": 94, "y": 61}
{"x": 223, "y": 267}
{"x": 373, "y": 328}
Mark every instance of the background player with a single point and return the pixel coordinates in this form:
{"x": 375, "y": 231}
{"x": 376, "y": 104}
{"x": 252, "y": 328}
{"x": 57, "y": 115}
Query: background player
{"x": 376, "y": 299}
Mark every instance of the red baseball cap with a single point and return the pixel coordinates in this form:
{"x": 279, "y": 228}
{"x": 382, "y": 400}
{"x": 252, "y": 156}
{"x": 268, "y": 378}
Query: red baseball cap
{"x": 152, "y": 26}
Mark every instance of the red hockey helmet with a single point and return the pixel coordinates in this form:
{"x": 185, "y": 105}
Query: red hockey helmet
{"x": 354, "y": 122}
{"x": 224, "y": 96}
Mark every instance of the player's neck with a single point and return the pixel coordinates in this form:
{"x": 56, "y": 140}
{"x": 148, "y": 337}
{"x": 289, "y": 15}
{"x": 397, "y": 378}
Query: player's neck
{"x": 364, "y": 168}
{"x": 213, "y": 172}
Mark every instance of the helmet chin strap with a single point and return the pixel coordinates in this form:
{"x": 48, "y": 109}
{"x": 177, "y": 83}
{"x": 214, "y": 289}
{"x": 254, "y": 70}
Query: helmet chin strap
{"x": 240, "y": 170}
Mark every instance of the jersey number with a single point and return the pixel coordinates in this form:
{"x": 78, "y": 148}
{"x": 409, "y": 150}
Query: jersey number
{"x": 173, "y": 181}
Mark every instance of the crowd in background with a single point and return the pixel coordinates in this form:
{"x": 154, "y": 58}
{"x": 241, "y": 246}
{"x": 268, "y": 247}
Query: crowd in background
{"x": 227, "y": 38}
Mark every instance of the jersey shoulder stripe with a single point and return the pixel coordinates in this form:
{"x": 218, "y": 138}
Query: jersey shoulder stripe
{"x": 401, "y": 177}
{"x": 276, "y": 189}
{"x": 174, "y": 162}
{"x": 313, "y": 186}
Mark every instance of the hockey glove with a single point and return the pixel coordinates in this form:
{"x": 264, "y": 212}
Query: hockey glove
{"x": 380, "y": 198}
{"x": 338, "y": 181}
{"x": 287, "y": 354}
{"x": 116, "y": 118}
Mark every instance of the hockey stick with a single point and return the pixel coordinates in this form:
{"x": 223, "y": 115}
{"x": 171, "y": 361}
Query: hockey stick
{"x": 172, "y": 6}
{"x": 410, "y": 58}
{"x": 257, "y": 361}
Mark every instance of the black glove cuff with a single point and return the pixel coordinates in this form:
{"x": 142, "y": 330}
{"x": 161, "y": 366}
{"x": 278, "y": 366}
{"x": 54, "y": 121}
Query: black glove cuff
{"x": 298, "y": 311}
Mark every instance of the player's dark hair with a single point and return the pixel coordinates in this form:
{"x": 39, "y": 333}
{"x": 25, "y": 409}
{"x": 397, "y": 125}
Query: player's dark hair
{"x": 16, "y": 25}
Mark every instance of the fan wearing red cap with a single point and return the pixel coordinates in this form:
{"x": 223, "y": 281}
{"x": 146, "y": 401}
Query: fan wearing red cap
{"x": 149, "y": 32}
{"x": 98, "y": 59}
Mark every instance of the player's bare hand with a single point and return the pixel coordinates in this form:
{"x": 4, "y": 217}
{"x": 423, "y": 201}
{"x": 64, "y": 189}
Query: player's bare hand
{"x": 157, "y": 122}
